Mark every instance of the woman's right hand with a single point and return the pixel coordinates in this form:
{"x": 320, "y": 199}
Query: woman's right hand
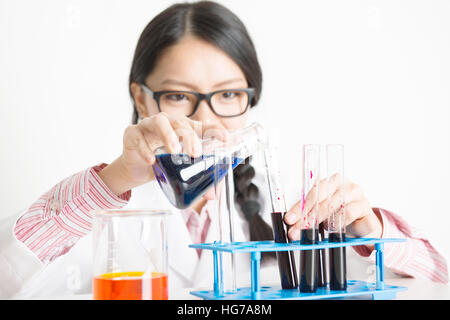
{"x": 134, "y": 166}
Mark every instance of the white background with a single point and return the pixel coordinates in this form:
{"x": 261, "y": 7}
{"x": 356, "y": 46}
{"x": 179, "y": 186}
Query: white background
{"x": 373, "y": 75}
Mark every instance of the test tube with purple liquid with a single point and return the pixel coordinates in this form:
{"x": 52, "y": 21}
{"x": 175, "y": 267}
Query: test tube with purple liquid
{"x": 308, "y": 220}
{"x": 336, "y": 215}
{"x": 286, "y": 260}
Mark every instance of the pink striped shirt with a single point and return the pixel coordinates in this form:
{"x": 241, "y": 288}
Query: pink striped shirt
{"x": 60, "y": 217}
{"x": 416, "y": 258}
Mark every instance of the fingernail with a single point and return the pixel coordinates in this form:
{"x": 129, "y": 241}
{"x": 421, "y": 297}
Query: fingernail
{"x": 176, "y": 147}
{"x": 295, "y": 234}
{"x": 290, "y": 217}
{"x": 197, "y": 149}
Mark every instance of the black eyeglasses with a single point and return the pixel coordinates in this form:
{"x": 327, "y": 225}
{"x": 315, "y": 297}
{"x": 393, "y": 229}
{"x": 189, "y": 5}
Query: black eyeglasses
{"x": 224, "y": 103}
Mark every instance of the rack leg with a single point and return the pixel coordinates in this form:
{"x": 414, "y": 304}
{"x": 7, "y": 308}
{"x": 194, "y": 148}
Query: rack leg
{"x": 384, "y": 296}
{"x": 256, "y": 286}
{"x": 379, "y": 247}
{"x": 216, "y": 273}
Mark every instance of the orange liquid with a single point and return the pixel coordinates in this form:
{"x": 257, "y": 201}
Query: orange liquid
{"x": 128, "y": 286}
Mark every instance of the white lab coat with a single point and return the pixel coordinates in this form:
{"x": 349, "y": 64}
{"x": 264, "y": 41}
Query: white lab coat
{"x": 71, "y": 273}
{"x": 24, "y": 276}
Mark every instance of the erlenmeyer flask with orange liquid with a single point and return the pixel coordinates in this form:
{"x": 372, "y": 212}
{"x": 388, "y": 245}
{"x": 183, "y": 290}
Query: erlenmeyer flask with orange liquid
{"x": 130, "y": 255}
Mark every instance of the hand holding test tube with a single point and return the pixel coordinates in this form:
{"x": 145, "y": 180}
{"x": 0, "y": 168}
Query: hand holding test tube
{"x": 359, "y": 220}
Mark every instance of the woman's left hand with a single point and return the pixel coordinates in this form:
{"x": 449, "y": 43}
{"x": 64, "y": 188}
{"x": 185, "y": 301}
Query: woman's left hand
{"x": 360, "y": 219}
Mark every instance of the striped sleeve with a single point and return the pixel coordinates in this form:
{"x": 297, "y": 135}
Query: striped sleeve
{"x": 414, "y": 258}
{"x": 63, "y": 215}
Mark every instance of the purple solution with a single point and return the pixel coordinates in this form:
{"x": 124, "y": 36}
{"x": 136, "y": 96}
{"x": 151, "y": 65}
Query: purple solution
{"x": 309, "y": 261}
{"x": 322, "y": 260}
{"x": 184, "y": 179}
{"x": 338, "y": 264}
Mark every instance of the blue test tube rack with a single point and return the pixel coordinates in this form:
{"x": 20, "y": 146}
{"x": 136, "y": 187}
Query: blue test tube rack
{"x": 378, "y": 290}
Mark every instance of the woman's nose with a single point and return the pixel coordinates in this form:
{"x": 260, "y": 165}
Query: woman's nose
{"x": 204, "y": 113}
{"x": 212, "y": 127}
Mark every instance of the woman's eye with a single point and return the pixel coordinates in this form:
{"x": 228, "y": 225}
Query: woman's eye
{"x": 177, "y": 97}
{"x": 229, "y": 94}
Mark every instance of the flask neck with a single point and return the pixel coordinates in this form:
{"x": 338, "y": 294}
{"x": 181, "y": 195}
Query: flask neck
{"x": 245, "y": 142}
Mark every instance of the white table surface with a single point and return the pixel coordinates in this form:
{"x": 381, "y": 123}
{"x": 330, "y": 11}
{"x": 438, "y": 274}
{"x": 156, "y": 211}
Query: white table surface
{"x": 417, "y": 290}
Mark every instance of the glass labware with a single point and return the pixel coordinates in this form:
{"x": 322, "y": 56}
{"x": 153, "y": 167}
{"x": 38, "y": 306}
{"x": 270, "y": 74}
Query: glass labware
{"x": 130, "y": 255}
{"x": 184, "y": 179}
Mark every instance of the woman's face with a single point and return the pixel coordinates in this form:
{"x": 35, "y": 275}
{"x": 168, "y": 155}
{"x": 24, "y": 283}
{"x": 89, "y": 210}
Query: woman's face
{"x": 195, "y": 65}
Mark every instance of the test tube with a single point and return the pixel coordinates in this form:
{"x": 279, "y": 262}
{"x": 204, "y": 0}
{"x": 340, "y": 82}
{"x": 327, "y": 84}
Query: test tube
{"x": 336, "y": 215}
{"x": 227, "y": 155}
{"x": 322, "y": 268}
{"x": 286, "y": 261}
{"x": 224, "y": 199}
{"x": 308, "y": 220}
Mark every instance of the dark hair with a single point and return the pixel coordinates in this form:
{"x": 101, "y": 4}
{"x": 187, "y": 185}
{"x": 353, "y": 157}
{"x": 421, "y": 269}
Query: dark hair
{"x": 207, "y": 20}
{"x": 219, "y": 26}
{"x": 247, "y": 196}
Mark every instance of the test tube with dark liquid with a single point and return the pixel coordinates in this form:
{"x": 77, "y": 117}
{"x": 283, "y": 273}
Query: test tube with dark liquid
{"x": 308, "y": 220}
{"x": 336, "y": 218}
{"x": 286, "y": 261}
{"x": 322, "y": 268}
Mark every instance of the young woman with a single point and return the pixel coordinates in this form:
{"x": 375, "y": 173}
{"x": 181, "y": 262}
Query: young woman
{"x": 187, "y": 51}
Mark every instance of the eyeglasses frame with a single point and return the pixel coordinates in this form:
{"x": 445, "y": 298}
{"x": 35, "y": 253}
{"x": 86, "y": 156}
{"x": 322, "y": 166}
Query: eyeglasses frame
{"x": 156, "y": 95}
